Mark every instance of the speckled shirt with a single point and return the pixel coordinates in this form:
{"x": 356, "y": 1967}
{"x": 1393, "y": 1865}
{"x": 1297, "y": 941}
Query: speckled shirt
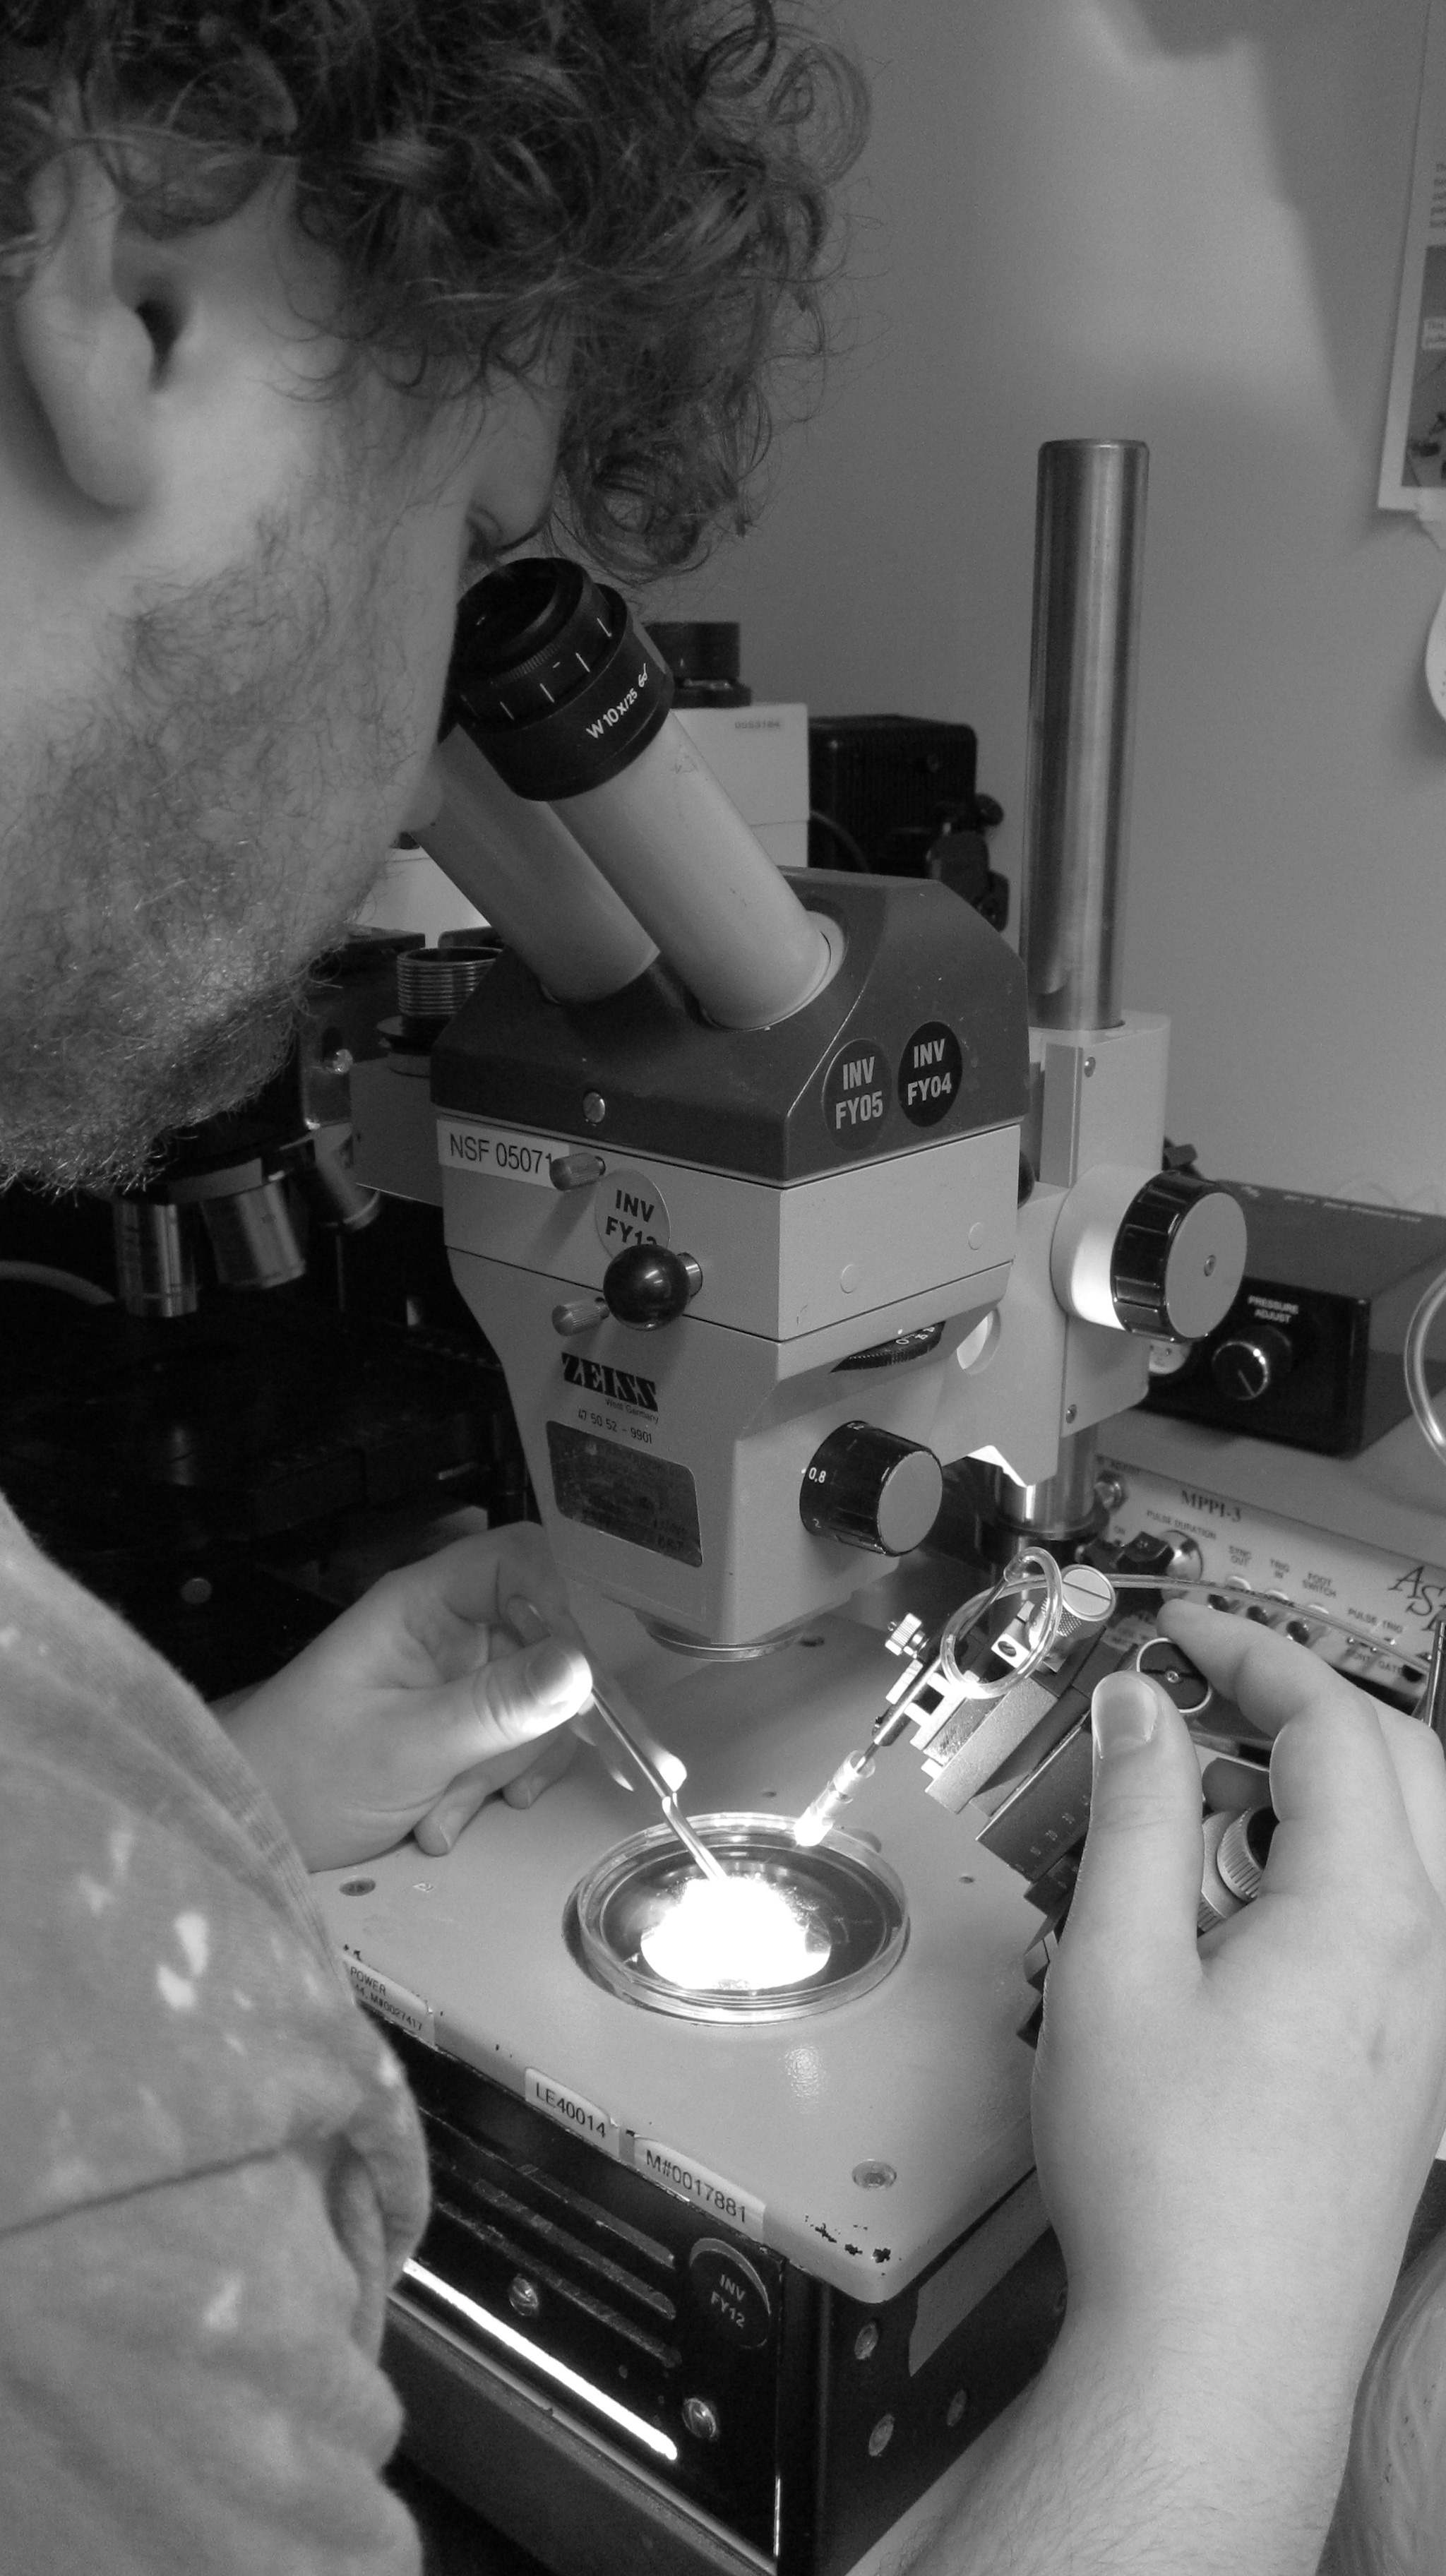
{"x": 210, "y": 2168}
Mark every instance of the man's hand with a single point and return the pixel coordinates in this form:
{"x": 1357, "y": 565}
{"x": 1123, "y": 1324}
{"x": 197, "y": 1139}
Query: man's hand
{"x": 420, "y": 1701}
{"x": 1214, "y": 2119}
{"x": 1232, "y": 2135}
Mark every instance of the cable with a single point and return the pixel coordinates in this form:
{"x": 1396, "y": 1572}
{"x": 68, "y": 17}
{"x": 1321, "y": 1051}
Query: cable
{"x": 40, "y": 1274}
{"x": 853, "y": 855}
{"x": 1206, "y": 1587}
{"x": 1413, "y": 1363}
{"x": 1209, "y": 1587}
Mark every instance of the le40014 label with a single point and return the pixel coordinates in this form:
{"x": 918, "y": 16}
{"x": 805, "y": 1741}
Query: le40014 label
{"x": 572, "y": 2110}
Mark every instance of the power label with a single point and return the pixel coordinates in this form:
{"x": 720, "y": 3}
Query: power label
{"x": 572, "y": 2111}
{"x": 683, "y": 2174}
{"x": 393, "y": 2002}
{"x": 496, "y": 1153}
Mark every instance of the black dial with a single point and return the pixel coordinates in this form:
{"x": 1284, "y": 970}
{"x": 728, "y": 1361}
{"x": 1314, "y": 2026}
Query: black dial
{"x": 647, "y": 1285}
{"x": 1253, "y": 1360}
{"x": 870, "y": 1490}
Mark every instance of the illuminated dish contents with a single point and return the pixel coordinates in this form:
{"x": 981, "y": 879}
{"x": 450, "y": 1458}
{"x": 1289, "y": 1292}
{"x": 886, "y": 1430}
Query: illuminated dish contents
{"x": 785, "y": 1932}
{"x": 738, "y": 1935}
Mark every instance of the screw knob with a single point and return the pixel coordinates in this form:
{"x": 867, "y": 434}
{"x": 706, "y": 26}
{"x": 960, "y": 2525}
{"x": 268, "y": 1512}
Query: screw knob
{"x": 648, "y": 1285}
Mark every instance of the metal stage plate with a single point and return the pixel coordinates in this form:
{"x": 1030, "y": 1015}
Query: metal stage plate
{"x": 859, "y": 2141}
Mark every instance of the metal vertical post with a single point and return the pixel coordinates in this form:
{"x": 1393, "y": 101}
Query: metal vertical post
{"x": 1089, "y": 544}
{"x": 1088, "y": 559}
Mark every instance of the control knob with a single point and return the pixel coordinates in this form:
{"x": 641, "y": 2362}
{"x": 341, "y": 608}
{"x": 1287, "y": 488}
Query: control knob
{"x": 871, "y": 1490}
{"x": 1253, "y": 1360}
{"x": 1163, "y": 1256}
{"x": 1180, "y": 1241}
{"x": 648, "y": 1285}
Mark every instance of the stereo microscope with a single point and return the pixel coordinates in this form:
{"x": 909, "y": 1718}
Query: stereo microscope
{"x": 776, "y": 1196}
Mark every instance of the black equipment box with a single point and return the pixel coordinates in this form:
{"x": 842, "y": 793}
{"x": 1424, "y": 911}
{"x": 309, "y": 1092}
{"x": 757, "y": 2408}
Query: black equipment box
{"x": 1310, "y": 1352}
{"x": 897, "y": 796}
{"x": 885, "y": 779}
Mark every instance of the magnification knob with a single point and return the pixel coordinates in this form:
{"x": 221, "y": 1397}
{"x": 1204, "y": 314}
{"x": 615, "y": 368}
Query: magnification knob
{"x": 872, "y": 1491}
{"x": 1251, "y": 1362}
{"x": 647, "y": 1285}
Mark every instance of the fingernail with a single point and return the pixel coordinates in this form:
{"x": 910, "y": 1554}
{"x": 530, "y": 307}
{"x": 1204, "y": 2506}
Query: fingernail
{"x": 554, "y": 1671}
{"x": 524, "y": 1618}
{"x": 1123, "y": 1713}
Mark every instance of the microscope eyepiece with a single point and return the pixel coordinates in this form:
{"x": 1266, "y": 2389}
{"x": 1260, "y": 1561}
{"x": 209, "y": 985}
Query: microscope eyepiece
{"x": 555, "y": 693}
{"x": 552, "y": 680}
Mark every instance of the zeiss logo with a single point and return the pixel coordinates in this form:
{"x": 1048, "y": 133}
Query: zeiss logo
{"x": 620, "y": 1386}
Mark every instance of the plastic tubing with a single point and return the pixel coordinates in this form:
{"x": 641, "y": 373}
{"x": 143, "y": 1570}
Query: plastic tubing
{"x": 1019, "y": 1584}
{"x": 69, "y": 1283}
{"x": 1413, "y": 1362}
{"x": 674, "y": 847}
{"x": 516, "y": 860}
{"x": 1033, "y": 1570}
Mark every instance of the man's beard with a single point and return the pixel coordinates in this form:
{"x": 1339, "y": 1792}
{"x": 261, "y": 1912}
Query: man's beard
{"x": 173, "y": 853}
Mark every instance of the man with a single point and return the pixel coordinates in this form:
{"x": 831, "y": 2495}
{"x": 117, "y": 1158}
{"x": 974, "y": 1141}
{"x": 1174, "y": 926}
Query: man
{"x": 312, "y": 310}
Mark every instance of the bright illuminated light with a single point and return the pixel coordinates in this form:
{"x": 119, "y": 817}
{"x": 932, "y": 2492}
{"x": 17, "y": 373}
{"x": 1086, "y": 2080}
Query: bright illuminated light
{"x": 512, "y": 2341}
{"x": 817, "y": 1820}
{"x": 734, "y": 1935}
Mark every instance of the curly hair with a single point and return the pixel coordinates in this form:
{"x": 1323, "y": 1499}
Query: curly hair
{"x": 653, "y": 179}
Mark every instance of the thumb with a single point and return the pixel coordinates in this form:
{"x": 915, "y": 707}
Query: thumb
{"x": 516, "y": 1697}
{"x": 1138, "y": 1894}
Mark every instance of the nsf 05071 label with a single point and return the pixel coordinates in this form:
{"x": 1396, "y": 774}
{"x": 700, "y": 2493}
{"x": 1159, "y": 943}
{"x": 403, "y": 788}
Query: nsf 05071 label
{"x": 496, "y": 1153}
{"x": 722, "y": 2199}
{"x": 572, "y": 2110}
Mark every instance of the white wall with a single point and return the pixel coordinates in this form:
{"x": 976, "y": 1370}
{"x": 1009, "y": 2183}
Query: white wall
{"x": 1179, "y": 220}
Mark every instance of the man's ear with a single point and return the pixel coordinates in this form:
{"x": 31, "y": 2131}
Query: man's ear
{"x": 88, "y": 348}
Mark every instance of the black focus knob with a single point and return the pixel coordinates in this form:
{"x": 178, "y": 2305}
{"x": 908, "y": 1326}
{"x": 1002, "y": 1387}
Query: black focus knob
{"x": 1177, "y": 1258}
{"x": 647, "y": 1285}
{"x": 1251, "y": 1362}
{"x": 870, "y": 1490}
